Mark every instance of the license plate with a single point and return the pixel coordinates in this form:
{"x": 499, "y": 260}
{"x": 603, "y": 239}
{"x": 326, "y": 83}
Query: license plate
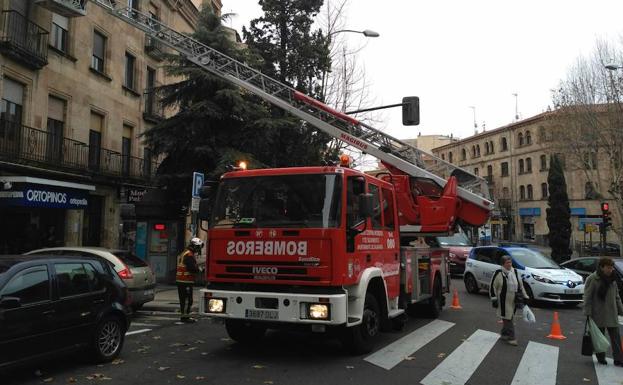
{"x": 148, "y": 292}
{"x": 261, "y": 314}
{"x": 572, "y": 291}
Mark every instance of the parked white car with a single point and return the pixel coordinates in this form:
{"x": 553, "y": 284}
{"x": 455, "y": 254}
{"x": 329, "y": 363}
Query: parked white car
{"x": 543, "y": 278}
{"x": 135, "y": 273}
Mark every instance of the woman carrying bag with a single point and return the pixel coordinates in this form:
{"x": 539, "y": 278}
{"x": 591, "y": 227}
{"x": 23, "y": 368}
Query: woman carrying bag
{"x": 602, "y": 304}
{"x": 507, "y": 293}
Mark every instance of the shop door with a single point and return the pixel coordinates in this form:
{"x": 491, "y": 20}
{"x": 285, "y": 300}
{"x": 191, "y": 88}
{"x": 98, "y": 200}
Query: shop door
{"x": 93, "y": 222}
{"x": 162, "y": 249}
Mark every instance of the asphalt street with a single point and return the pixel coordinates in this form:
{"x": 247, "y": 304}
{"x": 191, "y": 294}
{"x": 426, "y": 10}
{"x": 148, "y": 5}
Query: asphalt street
{"x": 462, "y": 347}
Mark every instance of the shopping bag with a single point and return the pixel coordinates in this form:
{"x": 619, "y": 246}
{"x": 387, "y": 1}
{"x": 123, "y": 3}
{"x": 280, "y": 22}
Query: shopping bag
{"x": 587, "y": 342}
{"x": 600, "y": 342}
{"x": 528, "y": 315}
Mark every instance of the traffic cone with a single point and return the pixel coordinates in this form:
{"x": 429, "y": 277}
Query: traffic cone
{"x": 455, "y": 301}
{"x": 555, "y": 332}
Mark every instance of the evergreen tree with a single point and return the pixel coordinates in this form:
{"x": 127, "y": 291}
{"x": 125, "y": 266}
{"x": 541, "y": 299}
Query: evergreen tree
{"x": 297, "y": 56}
{"x": 558, "y": 213}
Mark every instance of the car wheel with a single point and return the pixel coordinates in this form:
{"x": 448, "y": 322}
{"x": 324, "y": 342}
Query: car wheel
{"x": 108, "y": 339}
{"x": 361, "y": 339}
{"x": 470, "y": 284}
{"x": 244, "y": 332}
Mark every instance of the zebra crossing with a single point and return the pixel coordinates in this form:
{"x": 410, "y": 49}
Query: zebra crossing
{"x": 538, "y": 363}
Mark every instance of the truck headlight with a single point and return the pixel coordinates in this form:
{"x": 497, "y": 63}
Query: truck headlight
{"x": 216, "y": 305}
{"x": 318, "y": 311}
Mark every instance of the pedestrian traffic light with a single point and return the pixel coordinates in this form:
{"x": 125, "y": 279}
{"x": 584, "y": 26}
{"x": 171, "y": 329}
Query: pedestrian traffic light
{"x": 605, "y": 216}
{"x": 605, "y": 207}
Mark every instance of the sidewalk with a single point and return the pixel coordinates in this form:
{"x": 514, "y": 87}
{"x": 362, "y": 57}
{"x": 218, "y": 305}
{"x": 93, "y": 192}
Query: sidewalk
{"x": 166, "y": 299}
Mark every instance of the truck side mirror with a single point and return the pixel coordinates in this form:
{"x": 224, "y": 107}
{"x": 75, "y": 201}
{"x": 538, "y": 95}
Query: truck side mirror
{"x": 205, "y": 204}
{"x": 410, "y": 111}
{"x": 366, "y": 205}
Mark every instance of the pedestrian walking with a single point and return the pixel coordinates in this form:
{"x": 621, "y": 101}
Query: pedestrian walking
{"x": 602, "y": 303}
{"x": 507, "y": 294}
{"x": 185, "y": 277}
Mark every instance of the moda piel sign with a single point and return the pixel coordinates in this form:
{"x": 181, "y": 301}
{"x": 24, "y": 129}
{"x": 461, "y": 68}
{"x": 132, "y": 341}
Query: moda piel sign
{"x": 34, "y": 195}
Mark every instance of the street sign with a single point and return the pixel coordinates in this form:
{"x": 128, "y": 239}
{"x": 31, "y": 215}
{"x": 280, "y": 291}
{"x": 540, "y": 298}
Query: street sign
{"x": 591, "y": 228}
{"x": 197, "y": 183}
{"x": 194, "y": 204}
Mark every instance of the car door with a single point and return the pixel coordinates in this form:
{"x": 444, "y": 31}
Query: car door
{"x": 487, "y": 266}
{"x": 27, "y": 330}
{"x": 80, "y": 295}
{"x": 585, "y": 266}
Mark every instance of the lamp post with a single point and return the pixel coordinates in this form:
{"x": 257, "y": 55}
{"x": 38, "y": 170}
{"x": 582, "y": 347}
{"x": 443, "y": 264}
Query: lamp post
{"x": 366, "y": 33}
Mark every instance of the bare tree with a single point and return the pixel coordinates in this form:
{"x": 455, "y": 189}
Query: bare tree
{"x": 346, "y": 87}
{"x": 588, "y": 125}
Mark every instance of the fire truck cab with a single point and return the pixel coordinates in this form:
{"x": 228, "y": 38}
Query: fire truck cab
{"x": 315, "y": 248}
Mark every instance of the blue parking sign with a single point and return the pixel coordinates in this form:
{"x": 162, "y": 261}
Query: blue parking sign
{"x": 197, "y": 183}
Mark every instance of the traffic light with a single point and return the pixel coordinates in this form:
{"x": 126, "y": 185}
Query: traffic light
{"x": 605, "y": 216}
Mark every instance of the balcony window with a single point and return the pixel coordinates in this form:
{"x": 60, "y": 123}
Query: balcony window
{"x": 504, "y": 168}
{"x": 504, "y": 144}
{"x": 23, "y": 40}
{"x": 528, "y": 165}
{"x": 530, "y": 192}
{"x": 528, "y": 138}
{"x": 520, "y": 139}
{"x": 463, "y": 154}
{"x": 543, "y": 163}
{"x": 99, "y": 52}
{"x": 522, "y": 193}
{"x": 128, "y": 80}
{"x": 544, "y": 190}
{"x": 521, "y": 166}
{"x": 60, "y": 27}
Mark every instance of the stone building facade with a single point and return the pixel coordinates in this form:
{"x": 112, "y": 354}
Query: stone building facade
{"x": 515, "y": 161}
{"x": 76, "y": 88}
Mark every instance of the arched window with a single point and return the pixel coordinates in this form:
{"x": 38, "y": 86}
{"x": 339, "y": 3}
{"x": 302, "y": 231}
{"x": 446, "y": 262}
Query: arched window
{"x": 530, "y": 192}
{"x": 477, "y": 150}
{"x": 520, "y": 139}
{"x": 521, "y": 167}
{"x": 490, "y": 170}
{"x": 504, "y": 144}
{"x": 476, "y": 171}
{"x": 528, "y": 165}
{"x": 450, "y": 157}
{"x": 544, "y": 192}
{"x": 473, "y": 151}
{"x": 486, "y": 147}
{"x": 522, "y": 193}
{"x": 543, "y": 163}
{"x": 443, "y": 156}
{"x": 542, "y": 135}
{"x": 528, "y": 138}
{"x": 463, "y": 154}
{"x": 491, "y": 147}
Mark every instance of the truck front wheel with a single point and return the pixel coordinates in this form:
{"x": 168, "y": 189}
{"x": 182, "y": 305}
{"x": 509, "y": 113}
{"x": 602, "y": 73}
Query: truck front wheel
{"x": 244, "y": 332}
{"x": 361, "y": 339}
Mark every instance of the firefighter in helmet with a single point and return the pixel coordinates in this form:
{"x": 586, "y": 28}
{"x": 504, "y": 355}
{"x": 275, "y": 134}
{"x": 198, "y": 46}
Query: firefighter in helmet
{"x": 185, "y": 277}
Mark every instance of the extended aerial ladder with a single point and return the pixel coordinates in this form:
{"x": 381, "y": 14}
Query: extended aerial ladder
{"x": 465, "y": 196}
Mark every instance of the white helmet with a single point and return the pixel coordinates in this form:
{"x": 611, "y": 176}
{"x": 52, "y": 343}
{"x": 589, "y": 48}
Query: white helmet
{"x": 196, "y": 242}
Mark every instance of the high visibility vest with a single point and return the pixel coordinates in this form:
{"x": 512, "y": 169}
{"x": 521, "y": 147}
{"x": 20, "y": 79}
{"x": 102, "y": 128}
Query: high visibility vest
{"x": 181, "y": 273}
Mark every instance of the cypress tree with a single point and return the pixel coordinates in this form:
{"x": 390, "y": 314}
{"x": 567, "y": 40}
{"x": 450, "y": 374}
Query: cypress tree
{"x": 558, "y": 212}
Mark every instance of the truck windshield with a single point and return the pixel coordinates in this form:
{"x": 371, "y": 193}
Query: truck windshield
{"x": 308, "y": 200}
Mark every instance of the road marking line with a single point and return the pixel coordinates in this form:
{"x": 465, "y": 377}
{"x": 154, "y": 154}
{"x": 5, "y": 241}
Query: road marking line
{"x": 137, "y": 331}
{"x": 538, "y": 365}
{"x": 155, "y": 318}
{"x": 142, "y": 324}
{"x": 459, "y": 366}
{"x": 394, "y": 353}
{"x": 607, "y": 374}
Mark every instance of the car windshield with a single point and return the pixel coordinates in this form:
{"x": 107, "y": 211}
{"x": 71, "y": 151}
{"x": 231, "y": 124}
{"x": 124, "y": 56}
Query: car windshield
{"x": 309, "y": 200}
{"x": 458, "y": 239}
{"x": 533, "y": 259}
{"x": 129, "y": 259}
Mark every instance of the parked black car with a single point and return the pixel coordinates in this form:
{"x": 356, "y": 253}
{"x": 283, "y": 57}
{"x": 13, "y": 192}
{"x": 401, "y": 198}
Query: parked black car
{"x": 585, "y": 266}
{"x": 56, "y": 304}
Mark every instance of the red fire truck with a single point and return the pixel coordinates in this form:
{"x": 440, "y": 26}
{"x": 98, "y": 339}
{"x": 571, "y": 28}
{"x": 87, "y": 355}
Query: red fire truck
{"x": 327, "y": 249}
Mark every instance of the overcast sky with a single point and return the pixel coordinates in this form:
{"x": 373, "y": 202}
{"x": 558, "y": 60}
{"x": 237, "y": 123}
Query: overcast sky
{"x": 456, "y": 53}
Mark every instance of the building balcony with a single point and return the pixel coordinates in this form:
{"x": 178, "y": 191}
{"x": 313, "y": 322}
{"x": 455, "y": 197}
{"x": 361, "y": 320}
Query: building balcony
{"x": 154, "y": 110}
{"x": 154, "y": 48}
{"x": 67, "y": 8}
{"x": 30, "y": 146}
{"x": 23, "y": 40}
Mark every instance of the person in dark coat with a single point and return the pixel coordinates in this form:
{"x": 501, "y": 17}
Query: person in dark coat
{"x": 603, "y": 304}
{"x": 507, "y": 293}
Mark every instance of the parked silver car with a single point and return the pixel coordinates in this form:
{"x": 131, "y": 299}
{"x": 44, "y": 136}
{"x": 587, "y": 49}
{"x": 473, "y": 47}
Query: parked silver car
{"x": 136, "y": 273}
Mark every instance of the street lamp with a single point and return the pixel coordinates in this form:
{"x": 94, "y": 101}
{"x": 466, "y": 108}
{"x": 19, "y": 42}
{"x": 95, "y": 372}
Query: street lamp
{"x": 613, "y": 66}
{"x": 365, "y": 32}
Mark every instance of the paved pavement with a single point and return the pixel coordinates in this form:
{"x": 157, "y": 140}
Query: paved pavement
{"x": 166, "y": 299}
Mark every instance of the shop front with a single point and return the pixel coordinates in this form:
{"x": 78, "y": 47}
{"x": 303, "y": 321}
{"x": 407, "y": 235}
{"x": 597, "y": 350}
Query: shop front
{"x": 528, "y": 217}
{"x": 37, "y": 212}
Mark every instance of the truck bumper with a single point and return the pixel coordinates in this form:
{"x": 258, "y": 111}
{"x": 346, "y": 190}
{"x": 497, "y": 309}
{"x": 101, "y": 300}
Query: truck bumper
{"x": 274, "y": 307}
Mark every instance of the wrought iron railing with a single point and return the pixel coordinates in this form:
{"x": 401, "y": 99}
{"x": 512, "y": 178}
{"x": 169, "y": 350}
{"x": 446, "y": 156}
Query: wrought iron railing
{"x": 23, "y": 40}
{"x": 22, "y": 144}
